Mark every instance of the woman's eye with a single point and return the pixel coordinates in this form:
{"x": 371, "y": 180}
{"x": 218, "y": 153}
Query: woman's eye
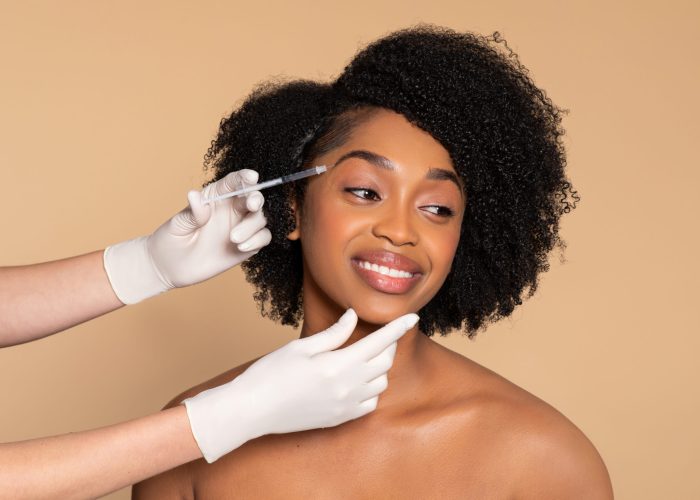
{"x": 440, "y": 210}
{"x": 364, "y": 193}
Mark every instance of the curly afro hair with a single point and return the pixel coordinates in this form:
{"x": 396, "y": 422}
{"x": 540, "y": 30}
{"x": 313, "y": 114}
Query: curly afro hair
{"x": 469, "y": 92}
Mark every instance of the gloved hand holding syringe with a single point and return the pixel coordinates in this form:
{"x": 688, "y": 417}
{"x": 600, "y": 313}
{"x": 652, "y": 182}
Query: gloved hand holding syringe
{"x": 196, "y": 243}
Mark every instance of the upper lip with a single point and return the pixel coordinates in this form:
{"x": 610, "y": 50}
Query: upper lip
{"x": 389, "y": 259}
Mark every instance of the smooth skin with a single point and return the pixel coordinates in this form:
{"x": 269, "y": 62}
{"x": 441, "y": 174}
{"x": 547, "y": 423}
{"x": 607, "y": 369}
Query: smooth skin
{"x": 446, "y": 427}
{"x": 42, "y": 299}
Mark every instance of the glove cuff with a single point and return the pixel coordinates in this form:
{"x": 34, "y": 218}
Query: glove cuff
{"x": 131, "y": 271}
{"x": 219, "y": 420}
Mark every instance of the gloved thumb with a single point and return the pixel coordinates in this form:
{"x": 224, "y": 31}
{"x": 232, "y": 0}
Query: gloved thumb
{"x": 334, "y": 336}
{"x": 200, "y": 212}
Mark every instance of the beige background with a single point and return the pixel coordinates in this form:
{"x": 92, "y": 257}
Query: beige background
{"x": 106, "y": 109}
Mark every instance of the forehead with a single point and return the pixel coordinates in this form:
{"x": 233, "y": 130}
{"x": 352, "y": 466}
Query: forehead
{"x": 392, "y": 135}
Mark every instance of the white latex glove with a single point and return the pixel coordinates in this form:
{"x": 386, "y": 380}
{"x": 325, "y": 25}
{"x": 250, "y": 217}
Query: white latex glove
{"x": 198, "y": 243}
{"x": 303, "y": 385}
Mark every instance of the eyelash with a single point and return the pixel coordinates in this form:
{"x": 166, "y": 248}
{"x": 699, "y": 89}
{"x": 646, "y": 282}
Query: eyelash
{"x": 443, "y": 211}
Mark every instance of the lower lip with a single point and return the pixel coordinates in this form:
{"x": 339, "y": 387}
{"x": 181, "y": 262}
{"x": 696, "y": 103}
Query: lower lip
{"x": 383, "y": 283}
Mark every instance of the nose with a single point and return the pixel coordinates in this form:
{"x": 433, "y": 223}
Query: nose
{"x": 397, "y": 225}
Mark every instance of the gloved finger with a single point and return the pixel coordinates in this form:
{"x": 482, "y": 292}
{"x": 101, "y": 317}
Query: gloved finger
{"x": 187, "y": 220}
{"x": 200, "y": 212}
{"x": 380, "y": 364}
{"x": 374, "y": 343}
{"x": 257, "y": 241}
{"x": 235, "y": 180}
{"x": 365, "y": 407}
{"x": 248, "y": 226}
{"x": 333, "y": 337}
{"x": 232, "y": 182}
{"x": 254, "y": 201}
{"x": 371, "y": 389}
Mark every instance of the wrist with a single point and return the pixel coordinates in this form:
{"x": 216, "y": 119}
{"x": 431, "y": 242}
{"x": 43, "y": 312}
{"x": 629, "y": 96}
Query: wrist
{"x": 131, "y": 271}
{"x": 221, "y": 419}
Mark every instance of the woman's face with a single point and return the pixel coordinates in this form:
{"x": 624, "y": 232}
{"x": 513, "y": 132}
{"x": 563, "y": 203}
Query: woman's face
{"x": 379, "y": 230}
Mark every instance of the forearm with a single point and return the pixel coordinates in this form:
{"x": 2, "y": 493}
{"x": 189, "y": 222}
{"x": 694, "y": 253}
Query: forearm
{"x": 93, "y": 463}
{"x": 42, "y": 299}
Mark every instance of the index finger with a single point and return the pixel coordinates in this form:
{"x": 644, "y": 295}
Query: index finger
{"x": 376, "y": 342}
{"x": 238, "y": 180}
{"x": 235, "y": 180}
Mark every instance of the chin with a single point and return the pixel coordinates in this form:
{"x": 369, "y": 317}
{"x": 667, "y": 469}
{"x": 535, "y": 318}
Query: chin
{"x": 375, "y": 314}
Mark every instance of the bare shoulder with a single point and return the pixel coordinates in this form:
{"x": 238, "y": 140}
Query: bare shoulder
{"x": 537, "y": 447}
{"x": 222, "y": 378}
{"x": 561, "y": 461}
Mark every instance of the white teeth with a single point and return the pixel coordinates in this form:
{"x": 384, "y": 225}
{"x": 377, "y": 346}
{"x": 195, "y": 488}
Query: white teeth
{"x": 386, "y": 271}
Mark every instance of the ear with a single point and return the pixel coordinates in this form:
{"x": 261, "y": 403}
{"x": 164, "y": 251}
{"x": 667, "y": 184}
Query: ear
{"x": 296, "y": 232}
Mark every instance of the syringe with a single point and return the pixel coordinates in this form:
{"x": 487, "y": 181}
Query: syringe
{"x": 274, "y": 182}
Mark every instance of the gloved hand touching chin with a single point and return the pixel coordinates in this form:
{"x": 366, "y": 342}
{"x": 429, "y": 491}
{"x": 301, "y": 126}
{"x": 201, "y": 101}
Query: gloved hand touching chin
{"x": 196, "y": 244}
{"x": 303, "y": 385}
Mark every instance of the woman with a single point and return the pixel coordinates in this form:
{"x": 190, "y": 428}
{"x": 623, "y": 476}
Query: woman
{"x": 443, "y": 197}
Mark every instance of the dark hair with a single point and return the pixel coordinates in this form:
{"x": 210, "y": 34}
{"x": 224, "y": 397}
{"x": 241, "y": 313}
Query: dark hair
{"x": 471, "y": 93}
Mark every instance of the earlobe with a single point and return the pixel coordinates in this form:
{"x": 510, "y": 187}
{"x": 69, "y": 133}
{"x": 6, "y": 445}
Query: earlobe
{"x": 296, "y": 232}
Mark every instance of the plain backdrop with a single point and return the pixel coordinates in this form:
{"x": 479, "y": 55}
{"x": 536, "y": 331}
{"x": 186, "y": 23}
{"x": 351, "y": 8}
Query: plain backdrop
{"x": 107, "y": 108}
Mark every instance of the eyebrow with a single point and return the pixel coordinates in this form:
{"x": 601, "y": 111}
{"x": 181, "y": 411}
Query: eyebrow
{"x": 373, "y": 158}
{"x": 436, "y": 174}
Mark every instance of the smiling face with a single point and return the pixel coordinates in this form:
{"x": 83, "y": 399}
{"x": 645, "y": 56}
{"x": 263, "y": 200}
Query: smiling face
{"x": 379, "y": 230}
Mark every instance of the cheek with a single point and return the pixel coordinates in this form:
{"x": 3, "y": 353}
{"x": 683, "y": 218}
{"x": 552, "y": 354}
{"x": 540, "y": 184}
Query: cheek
{"x": 326, "y": 233}
{"x": 442, "y": 248}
